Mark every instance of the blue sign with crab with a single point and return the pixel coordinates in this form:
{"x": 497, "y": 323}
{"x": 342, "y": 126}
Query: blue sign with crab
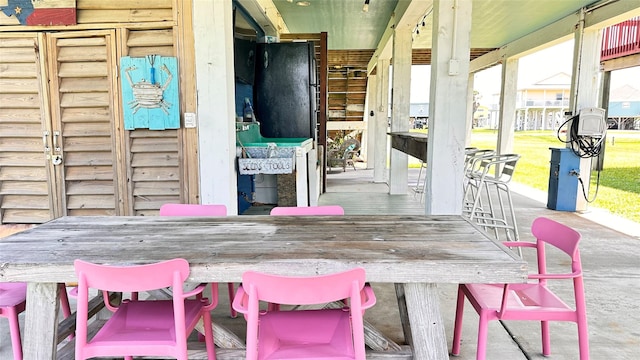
{"x": 150, "y": 92}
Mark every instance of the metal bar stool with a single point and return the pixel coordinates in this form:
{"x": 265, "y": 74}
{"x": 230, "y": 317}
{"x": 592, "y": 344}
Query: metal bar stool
{"x": 473, "y": 172}
{"x": 488, "y": 182}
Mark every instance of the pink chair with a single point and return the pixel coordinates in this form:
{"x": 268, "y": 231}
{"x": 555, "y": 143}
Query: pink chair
{"x": 192, "y": 210}
{"x": 307, "y": 210}
{"x": 321, "y": 210}
{"x": 138, "y": 327}
{"x": 534, "y": 300}
{"x": 200, "y": 210}
{"x": 305, "y": 334}
{"x": 13, "y": 301}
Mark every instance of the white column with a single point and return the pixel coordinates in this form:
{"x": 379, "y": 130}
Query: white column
{"x": 469, "y": 118}
{"x": 213, "y": 33}
{"x": 369, "y": 136}
{"x": 508, "y": 92}
{"x": 381, "y": 119}
{"x": 585, "y": 86}
{"x": 447, "y": 109}
{"x": 401, "y": 85}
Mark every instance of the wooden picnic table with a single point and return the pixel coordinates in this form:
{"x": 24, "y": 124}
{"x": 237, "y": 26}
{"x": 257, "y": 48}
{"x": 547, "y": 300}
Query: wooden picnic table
{"x": 414, "y": 252}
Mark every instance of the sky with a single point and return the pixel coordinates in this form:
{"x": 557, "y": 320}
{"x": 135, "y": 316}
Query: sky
{"x": 531, "y": 69}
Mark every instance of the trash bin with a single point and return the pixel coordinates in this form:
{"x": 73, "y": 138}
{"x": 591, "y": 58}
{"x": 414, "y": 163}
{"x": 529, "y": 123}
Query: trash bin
{"x": 563, "y": 180}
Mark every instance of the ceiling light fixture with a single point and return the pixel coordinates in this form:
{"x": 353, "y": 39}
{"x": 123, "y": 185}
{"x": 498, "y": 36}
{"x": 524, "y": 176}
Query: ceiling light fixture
{"x": 303, "y": 3}
{"x": 365, "y": 7}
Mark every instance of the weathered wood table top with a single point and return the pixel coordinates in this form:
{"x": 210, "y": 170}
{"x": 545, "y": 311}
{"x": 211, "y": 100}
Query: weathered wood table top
{"x": 414, "y": 252}
{"x": 397, "y": 249}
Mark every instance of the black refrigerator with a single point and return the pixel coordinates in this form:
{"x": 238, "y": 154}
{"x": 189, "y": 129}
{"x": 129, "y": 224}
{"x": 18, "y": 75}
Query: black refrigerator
{"x": 285, "y": 90}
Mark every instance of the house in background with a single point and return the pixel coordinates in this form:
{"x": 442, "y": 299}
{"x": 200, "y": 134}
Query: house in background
{"x": 541, "y": 106}
{"x": 624, "y": 108}
{"x": 419, "y": 115}
{"x": 481, "y": 116}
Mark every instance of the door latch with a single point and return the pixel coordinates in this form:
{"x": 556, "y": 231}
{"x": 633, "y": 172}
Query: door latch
{"x": 47, "y": 148}
{"x": 52, "y": 153}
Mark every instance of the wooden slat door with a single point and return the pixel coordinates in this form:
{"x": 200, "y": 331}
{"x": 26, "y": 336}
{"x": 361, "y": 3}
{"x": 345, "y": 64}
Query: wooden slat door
{"x": 82, "y": 91}
{"x": 24, "y": 176}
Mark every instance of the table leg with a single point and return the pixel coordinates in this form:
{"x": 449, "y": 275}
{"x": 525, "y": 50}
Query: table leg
{"x": 41, "y": 321}
{"x": 422, "y": 322}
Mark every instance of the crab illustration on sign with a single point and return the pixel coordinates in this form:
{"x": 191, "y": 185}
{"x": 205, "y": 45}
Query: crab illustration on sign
{"x": 149, "y": 95}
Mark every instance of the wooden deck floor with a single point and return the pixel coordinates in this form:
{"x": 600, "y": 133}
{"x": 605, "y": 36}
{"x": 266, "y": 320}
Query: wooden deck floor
{"x": 356, "y": 192}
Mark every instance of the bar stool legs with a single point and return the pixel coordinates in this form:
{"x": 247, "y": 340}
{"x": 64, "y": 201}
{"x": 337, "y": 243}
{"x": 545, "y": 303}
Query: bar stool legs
{"x": 420, "y": 188}
{"x": 485, "y": 192}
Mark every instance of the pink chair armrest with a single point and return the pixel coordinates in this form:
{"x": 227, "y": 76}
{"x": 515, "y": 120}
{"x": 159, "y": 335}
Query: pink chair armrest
{"x": 519, "y": 244}
{"x": 107, "y": 302}
{"x": 572, "y": 275}
{"x": 197, "y": 291}
{"x": 240, "y": 301}
{"x": 368, "y": 297}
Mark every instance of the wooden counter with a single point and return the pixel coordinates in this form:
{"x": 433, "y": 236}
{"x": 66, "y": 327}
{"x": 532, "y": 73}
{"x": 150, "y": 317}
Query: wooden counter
{"x": 412, "y": 143}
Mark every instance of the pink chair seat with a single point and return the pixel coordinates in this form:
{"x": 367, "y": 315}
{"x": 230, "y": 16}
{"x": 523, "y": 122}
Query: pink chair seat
{"x": 539, "y": 302}
{"x": 153, "y": 320}
{"x": 13, "y": 296}
{"x": 324, "y": 333}
{"x": 142, "y": 327}
{"x": 305, "y": 334}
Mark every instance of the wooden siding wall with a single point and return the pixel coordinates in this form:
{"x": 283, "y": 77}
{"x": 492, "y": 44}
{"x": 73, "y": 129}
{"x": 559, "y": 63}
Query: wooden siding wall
{"x": 347, "y": 84}
{"x": 347, "y": 92}
{"x": 153, "y": 156}
{"x": 132, "y": 172}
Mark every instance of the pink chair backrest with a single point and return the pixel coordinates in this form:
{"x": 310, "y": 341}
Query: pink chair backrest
{"x": 132, "y": 278}
{"x": 307, "y": 210}
{"x": 192, "y": 210}
{"x": 556, "y": 234}
{"x": 304, "y": 290}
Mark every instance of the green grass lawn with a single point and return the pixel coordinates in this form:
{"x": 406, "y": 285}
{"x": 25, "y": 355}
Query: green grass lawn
{"x": 619, "y": 190}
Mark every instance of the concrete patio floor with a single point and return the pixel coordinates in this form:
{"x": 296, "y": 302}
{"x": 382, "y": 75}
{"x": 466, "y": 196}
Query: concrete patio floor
{"x": 609, "y": 250}
{"x": 610, "y": 256}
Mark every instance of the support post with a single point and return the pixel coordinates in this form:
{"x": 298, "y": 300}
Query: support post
{"x": 585, "y": 84}
{"x": 508, "y": 91}
{"x": 400, "y": 100}
{"x": 381, "y": 118}
{"x": 213, "y": 37}
{"x": 371, "y": 108}
{"x": 447, "y": 110}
